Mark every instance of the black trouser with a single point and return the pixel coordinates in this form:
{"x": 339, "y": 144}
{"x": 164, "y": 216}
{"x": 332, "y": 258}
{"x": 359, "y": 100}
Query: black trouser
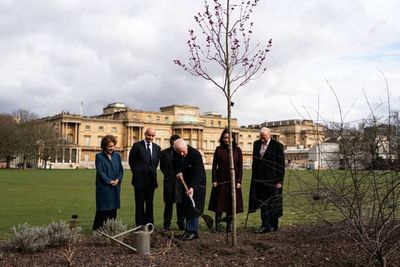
{"x": 268, "y": 218}
{"x": 144, "y": 205}
{"x": 168, "y": 215}
{"x": 102, "y": 216}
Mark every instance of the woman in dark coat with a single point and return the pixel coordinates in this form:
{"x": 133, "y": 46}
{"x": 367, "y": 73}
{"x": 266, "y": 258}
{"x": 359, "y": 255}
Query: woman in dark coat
{"x": 109, "y": 173}
{"x": 221, "y": 199}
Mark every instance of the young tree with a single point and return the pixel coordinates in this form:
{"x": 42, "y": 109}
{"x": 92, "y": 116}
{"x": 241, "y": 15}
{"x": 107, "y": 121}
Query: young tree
{"x": 225, "y": 58}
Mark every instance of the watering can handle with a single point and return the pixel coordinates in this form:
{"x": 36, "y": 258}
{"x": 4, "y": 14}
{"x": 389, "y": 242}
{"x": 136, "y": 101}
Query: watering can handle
{"x": 149, "y": 228}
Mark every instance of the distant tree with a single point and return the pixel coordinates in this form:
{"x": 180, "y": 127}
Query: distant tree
{"x": 27, "y": 135}
{"x": 48, "y": 142}
{"x": 225, "y": 58}
{"x": 8, "y": 142}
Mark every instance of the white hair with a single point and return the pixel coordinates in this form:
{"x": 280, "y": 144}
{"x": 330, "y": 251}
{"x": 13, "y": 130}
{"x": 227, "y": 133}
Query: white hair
{"x": 265, "y": 130}
{"x": 179, "y": 143}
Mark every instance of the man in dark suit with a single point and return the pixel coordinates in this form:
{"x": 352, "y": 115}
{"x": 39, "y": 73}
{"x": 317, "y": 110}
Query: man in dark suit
{"x": 143, "y": 160}
{"x": 189, "y": 167}
{"x": 172, "y": 188}
{"x": 268, "y": 171}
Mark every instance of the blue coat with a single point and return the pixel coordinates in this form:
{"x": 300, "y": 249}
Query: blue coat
{"x": 108, "y": 196}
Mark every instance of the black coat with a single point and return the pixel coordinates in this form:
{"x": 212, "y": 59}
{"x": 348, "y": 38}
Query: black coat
{"x": 144, "y": 172}
{"x": 172, "y": 189}
{"x": 266, "y": 173}
{"x": 194, "y": 174}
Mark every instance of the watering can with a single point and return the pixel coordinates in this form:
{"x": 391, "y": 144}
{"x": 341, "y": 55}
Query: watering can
{"x": 141, "y": 238}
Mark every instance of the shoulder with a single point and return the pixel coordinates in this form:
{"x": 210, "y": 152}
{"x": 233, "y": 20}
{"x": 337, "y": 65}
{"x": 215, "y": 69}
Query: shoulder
{"x": 238, "y": 149}
{"x": 276, "y": 143}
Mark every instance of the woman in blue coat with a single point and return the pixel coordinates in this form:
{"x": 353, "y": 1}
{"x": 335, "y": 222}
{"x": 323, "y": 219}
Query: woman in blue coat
{"x": 109, "y": 172}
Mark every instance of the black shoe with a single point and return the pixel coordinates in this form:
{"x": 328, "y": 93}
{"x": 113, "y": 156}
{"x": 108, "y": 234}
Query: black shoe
{"x": 189, "y": 236}
{"x": 263, "y": 230}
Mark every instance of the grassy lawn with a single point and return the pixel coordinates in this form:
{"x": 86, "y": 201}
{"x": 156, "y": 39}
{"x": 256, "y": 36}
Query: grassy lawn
{"x": 38, "y": 197}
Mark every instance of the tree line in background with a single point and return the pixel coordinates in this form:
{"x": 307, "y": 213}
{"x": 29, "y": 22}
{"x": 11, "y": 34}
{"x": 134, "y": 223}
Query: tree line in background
{"x": 24, "y": 136}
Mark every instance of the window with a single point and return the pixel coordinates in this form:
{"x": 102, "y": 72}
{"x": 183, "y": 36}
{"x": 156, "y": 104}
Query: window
{"x": 148, "y": 118}
{"x": 212, "y": 145}
{"x": 158, "y": 118}
{"x": 219, "y": 123}
{"x": 166, "y": 119}
{"x": 194, "y": 143}
{"x": 86, "y": 157}
{"x": 249, "y": 146}
{"x": 114, "y": 129}
{"x": 101, "y": 128}
{"x": 87, "y": 140}
{"x": 69, "y": 138}
{"x": 87, "y": 127}
{"x": 204, "y": 144}
{"x": 99, "y": 140}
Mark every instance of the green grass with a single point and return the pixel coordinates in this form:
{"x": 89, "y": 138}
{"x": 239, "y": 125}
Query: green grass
{"x": 38, "y": 197}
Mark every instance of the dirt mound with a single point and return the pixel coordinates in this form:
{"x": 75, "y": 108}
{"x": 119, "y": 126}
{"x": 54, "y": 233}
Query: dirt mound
{"x": 291, "y": 246}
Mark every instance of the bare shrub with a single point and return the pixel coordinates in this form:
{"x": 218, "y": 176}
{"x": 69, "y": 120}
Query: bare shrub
{"x": 60, "y": 233}
{"x": 28, "y": 238}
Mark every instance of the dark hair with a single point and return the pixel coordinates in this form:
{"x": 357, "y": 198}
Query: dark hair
{"x": 221, "y": 138}
{"x": 107, "y": 139}
{"x": 174, "y": 137}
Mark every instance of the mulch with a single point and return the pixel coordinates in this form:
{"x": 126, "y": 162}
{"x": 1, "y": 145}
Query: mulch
{"x": 291, "y": 246}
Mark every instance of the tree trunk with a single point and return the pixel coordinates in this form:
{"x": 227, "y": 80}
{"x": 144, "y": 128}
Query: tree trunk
{"x": 229, "y": 108}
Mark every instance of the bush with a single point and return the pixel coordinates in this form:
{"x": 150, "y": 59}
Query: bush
{"x": 113, "y": 227}
{"x": 28, "y": 238}
{"x": 60, "y": 234}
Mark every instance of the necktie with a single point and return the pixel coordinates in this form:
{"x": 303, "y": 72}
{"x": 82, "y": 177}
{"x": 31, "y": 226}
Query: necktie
{"x": 263, "y": 149}
{"x": 149, "y": 152}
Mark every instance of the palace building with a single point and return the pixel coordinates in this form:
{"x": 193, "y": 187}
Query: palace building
{"x": 202, "y": 131}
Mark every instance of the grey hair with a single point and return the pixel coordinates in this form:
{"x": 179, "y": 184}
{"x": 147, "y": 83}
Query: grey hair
{"x": 179, "y": 143}
{"x": 265, "y": 130}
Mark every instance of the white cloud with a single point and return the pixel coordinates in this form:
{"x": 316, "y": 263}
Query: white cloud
{"x": 55, "y": 54}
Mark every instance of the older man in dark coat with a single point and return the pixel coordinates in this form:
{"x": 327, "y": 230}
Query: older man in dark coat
{"x": 143, "y": 160}
{"x": 189, "y": 166}
{"x": 172, "y": 188}
{"x": 268, "y": 171}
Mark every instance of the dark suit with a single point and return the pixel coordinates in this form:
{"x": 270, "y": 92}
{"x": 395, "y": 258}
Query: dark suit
{"x": 172, "y": 188}
{"x": 267, "y": 171}
{"x": 194, "y": 174}
{"x": 144, "y": 179}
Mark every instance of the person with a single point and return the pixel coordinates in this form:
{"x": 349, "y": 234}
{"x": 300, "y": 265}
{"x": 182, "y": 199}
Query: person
{"x": 171, "y": 186}
{"x": 109, "y": 174}
{"x": 268, "y": 171}
{"x": 189, "y": 167}
{"x": 221, "y": 198}
{"x": 143, "y": 161}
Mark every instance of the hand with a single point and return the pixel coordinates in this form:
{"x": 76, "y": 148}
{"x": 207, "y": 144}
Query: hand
{"x": 214, "y": 184}
{"x": 190, "y": 192}
{"x": 179, "y": 176}
{"x": 114, "y": 182}
{"x": 238, "y": 185}
{"x": 278, "y": 186}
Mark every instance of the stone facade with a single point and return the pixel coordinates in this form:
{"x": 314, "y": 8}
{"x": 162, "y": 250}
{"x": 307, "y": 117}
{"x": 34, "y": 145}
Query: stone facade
{"x": 201, "y": 131}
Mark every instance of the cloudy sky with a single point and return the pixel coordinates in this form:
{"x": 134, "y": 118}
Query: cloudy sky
{"x": 56, "y": 54}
